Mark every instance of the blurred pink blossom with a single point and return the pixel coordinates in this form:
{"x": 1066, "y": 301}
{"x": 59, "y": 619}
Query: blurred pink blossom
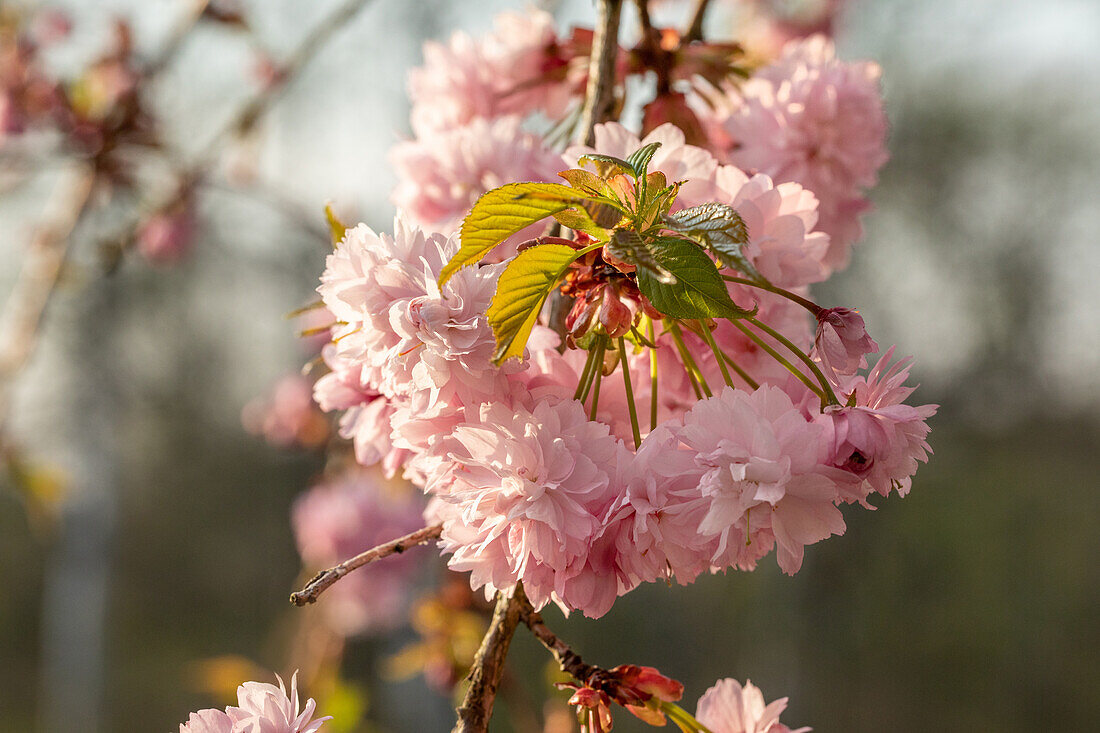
{"x": 339, "y": 519}
{"x": 287, "y": 417}
{"x": 441, "y": 175}
{"x": 817, "y": 121}
{"x": 166, "y": 236}
{"x": 502, "y": 73}
{"x": 261, "y": 708}
{"x": 727, "y": 707}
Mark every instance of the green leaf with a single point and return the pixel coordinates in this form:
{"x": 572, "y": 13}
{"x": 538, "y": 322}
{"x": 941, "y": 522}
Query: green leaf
{"x": 626, "y": 245}
{"x": 502, "y": 212}
{"x": 521, "y": 290}
{"x": 658, "y": 199}
{"x": 336, "y": 227}
{"x": 699, "y": 291}
{"x": 639, "y": 160}
{"x": 607, "y": 165}
{"x": 719, "y": 228}
{"x": 711, "y": 217}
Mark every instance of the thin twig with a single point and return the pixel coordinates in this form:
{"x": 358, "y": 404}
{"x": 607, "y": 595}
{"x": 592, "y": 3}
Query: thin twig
{"x": 488, "y": 667}
{"x": 249, "y": 113}
{"x": 599, "y": 102}
{"x": 326, "y": 578}
{"x": 695, "y": 28}
{"x": 568, "y": 660}
{"x": 653, "y": 56}
{"x": 40, "y": 276}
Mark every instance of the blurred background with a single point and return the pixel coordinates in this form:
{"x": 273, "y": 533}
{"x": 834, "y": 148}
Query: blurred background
{"x": 148, "y": 531}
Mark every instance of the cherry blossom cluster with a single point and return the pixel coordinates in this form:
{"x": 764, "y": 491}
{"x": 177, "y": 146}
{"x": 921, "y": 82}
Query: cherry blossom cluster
{"x": 540, "y": 470}
{"x": 727, "y": 707}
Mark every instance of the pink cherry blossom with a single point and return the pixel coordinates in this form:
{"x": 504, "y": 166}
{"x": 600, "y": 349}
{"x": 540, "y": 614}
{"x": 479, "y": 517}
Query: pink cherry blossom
{"x": 842, "y": 342}
{"x": 879, "y": 440}
{"x": 815, "y": 120}
{"x": 166, "y": 237}
{"x": 727, "y": 707}
{"x": 783, "y": 242}
{"x": 367, "y": 417}
{"x": 675, "y": 158}
{"x": 501, "y": 73}
{"x": 265, "y": 708}
{"x": 339, "y": 519}
{"x": 408, "y": 336}
{"x": 343, "y": 386}
{"x": 761, "y": 460}
{"x": 441, "y": 175}
{"x": 287, "y": 417}
{"x": 207, "y": 721}
{"x": 531, "y": 487}
{"x": 261, "y": 708}
{"x": 655, "y": 522}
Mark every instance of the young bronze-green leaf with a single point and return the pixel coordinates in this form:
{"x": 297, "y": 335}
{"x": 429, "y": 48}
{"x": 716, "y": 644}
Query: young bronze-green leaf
{"x": 699, "y": 291}
{"x": 521, "y": 290}
{"x": 502, "y": 212}
{"x": 639, "y": 160}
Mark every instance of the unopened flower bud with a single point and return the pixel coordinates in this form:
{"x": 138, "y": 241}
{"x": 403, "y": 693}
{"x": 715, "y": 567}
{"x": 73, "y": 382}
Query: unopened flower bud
{"x": 842, "y": 340}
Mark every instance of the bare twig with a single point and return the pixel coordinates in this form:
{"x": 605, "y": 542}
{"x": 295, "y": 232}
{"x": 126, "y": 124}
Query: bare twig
{"x": 488, "y": 667}
{"x": 568, "y": 660}
{"x": 38, "y": 279}
{"x": 599, "y": 102}
{"x": 324, "y": 579}
{"x": 52, "y": 245}
{"x": 695, "y": 28}
{"x": 247, "y": 115}
{"x": 655, "y": 57}
{"x": 314, "y": 41}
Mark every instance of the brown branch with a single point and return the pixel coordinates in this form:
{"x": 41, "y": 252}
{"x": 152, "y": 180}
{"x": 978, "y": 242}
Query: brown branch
{"x": 650, "y": 51}
{"x": 488, "y": 667}
{"x": 568, "y": 660}
{"x": 695, "y": 28}
{"x": 326, "y": 578}
{"x": 42, "y": 269}
{"x": 599, "y": 101}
